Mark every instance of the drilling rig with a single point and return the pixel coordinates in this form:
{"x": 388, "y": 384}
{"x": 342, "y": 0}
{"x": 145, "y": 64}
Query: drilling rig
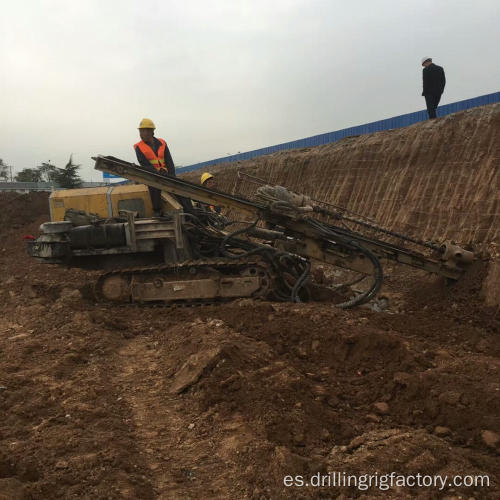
{"x": 193, "y": 256}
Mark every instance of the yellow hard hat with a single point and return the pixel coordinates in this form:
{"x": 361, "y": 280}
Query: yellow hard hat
{"x": 205, "y": 177}
{"x": 147, "y": 123}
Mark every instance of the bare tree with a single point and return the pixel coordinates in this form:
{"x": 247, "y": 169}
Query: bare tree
{"x": 29, "y": 175}
{"x": 48, "y": 171}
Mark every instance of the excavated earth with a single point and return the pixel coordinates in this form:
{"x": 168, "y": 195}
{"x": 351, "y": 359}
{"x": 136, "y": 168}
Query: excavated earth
{"x": 100, "y": 401}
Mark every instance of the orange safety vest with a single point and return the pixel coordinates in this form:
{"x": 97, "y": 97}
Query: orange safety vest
{"x": 157, "y": 161}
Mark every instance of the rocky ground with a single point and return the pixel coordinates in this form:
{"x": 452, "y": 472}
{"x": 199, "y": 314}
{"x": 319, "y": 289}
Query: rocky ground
{"x": 100, "y": 401}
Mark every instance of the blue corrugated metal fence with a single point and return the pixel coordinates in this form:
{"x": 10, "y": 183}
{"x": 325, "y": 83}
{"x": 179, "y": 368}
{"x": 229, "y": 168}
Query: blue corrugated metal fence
{"x": 367, "y": 128}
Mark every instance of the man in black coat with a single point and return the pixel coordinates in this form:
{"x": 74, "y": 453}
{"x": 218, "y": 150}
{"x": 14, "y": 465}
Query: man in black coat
{"x": 434, "y": 82}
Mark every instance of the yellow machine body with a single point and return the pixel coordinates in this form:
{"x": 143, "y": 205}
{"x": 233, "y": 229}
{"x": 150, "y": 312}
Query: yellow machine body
{"x": 104, "y": 201}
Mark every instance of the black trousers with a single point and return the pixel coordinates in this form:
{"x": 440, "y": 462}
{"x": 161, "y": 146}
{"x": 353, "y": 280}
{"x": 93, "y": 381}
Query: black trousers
{"x": 155, "y": 193}
{"x": 155, "y": 198}
{"x": 432, "y": 101}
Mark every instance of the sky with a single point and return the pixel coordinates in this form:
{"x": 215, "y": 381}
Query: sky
{"x": 222, "y": 77}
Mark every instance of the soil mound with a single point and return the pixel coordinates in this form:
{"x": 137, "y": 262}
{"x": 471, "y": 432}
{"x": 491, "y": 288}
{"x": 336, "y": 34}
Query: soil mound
{"x": 18, "y": 210}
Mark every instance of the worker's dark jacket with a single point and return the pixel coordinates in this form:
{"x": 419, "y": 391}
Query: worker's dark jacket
{"x": 434, "y": 80}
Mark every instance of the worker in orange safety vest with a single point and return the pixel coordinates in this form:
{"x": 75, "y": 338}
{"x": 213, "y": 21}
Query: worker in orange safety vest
{"x": 153, "y": 153}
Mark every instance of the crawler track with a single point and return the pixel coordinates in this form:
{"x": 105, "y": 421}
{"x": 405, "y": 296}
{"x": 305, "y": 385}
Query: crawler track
{"x": 129, "y": 285}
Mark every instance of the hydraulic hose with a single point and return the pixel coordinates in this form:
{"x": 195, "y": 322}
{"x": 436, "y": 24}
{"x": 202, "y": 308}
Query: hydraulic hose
{"x": 378, "y": 278}
{"x": 351, "y": 244}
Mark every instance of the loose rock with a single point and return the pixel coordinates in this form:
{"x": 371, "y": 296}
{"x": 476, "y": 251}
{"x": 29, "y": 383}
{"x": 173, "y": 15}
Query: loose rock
{"x": 490, "y": 438}
{"x": 382, "y": 408}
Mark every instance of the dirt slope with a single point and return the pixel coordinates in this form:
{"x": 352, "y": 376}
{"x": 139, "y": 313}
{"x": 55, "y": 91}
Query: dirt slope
{"x": 437, "y": 179}
{"x": 223, "y": 401}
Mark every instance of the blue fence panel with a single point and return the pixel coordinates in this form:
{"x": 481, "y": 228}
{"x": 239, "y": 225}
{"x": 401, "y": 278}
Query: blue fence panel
{"x": 107, "y": 175}
{"x": 367, "y": 128}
